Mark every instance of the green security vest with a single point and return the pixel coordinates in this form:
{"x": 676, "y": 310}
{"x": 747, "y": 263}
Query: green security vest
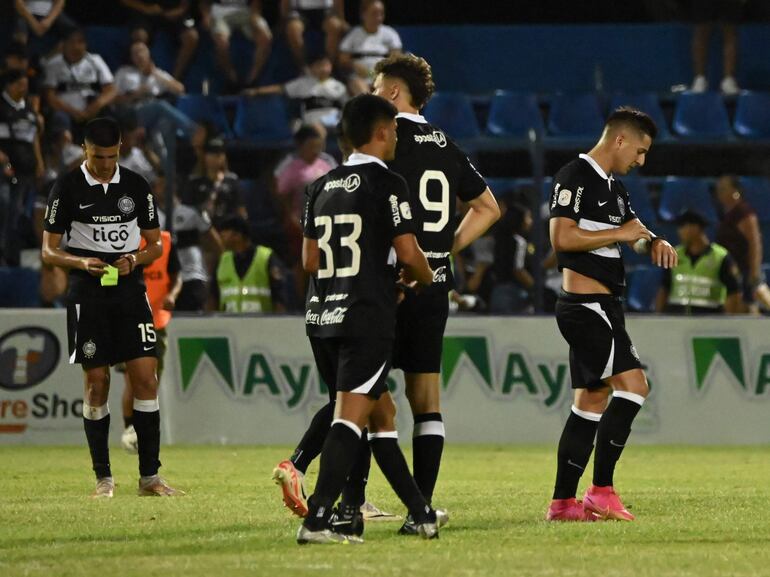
{"x": 250, "y": 294}
{"x": 698, "y": 285}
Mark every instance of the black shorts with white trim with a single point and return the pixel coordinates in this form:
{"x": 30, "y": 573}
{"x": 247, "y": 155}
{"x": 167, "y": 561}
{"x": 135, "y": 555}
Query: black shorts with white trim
{"x": 103, "y": 332}
{"x": 420, "y": 323}
{"x": 353, "y": 365}
{"x": 594, "y": 326}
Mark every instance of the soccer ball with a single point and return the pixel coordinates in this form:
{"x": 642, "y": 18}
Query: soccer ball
{"x": 128, "y": 441}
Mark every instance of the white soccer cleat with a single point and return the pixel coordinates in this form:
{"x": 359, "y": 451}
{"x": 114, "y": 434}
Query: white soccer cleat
{"x": 105, "y": 488}
{"x": 156, "y": 486}
{"x": 129, "y": 441}
{"x": 325, "y": 537}
{"x": 430, "y": 530}
{"x": 371, "y": 512}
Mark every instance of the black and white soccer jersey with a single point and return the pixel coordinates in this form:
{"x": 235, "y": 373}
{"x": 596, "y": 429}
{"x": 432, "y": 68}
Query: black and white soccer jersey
{"x": 437, "y": 173}
{"x": 355, "y": 212}
{"x": 102, "y": 221}
{"x": 583, "y": 192}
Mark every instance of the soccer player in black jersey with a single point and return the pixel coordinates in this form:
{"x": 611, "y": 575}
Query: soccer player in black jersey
{"x": 104, "y": 211}
{"x": 358, "y": 227}
{"x": 590, "y": 215}
{"x": 438, "y": 174}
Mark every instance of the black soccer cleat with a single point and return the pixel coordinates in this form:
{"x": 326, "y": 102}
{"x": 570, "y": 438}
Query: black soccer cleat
{"x": 347, "y": 520}
{"x": 409, "y": 527}
{"x": 428, "y": 530}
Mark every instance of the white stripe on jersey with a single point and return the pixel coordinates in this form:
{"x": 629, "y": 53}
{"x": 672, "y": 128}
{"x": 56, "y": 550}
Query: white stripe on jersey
{"x": 605, "y": 251}
{"x": 105, "y": 237}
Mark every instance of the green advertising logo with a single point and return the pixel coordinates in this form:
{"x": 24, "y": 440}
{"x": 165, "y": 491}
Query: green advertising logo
{"x": 475, "y": 348}
{"x": 216, "y": 349}
{"x": 707, "y": 349}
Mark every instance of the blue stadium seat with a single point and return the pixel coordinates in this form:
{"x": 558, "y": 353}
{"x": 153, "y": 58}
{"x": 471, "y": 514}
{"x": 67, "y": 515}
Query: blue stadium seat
{"x": 686, "y": 193}
{"x": 264, "y": 119}
{"x": 752, "y": 115}
{"x": 701, "y": 115}
{"x": 646, "y": 102}
{"x": 453, "y": 113}
{"x": 643, "y": 285}
{"x": 205, "y": 109}
{"x": 575, "y": 116}
{"x": 19, "y": 287}
{"x": 640, "y": 199}
{"x": 514, "y": 114}
{"x": 756, "y": 191}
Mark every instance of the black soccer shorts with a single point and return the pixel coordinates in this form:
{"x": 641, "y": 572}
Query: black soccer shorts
{"x": 106, "y": 332}
{"x": 595, "y": 329}
{"x": 420, "y": 324}
{"x": 353, "y": 365}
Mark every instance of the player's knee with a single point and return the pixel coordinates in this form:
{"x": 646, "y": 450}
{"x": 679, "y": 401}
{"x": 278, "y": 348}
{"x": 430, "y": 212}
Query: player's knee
{"x": 145, "y": 386}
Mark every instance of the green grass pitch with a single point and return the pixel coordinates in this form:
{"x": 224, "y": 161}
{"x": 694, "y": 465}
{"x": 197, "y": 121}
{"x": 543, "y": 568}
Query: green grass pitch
{"x": 700, "y": 512}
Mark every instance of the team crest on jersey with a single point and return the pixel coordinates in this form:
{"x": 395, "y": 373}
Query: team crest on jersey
{"x": 565, "y": 196}
{"x": 126, "y": 204}
{"x": 621, "y": 206}
{"x": 89, "y": 349}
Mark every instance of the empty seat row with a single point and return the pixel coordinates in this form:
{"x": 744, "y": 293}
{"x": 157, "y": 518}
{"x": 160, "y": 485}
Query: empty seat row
{"x": 514, "y": 115}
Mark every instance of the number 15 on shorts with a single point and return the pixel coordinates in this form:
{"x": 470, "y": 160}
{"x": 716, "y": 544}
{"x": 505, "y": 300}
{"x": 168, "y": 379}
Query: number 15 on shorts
{"x": 148, "y": 332}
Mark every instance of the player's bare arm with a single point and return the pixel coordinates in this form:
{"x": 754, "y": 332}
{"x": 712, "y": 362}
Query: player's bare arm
{"x": 482, "y": 213}
{"x": 152, "y": 250}
{"x": 311, "y": 256}
{"x": 54, "y": 256}
{"x": 411, "y": 256}
{"x": 567, "y": 236}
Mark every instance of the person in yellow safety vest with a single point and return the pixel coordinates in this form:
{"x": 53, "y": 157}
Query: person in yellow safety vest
{"x": 250, "y": 278}
{"x": 706, "y": 280}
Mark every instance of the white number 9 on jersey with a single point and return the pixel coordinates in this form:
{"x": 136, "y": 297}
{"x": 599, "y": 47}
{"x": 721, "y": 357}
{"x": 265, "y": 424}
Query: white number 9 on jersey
{"x": 439, "y": 206}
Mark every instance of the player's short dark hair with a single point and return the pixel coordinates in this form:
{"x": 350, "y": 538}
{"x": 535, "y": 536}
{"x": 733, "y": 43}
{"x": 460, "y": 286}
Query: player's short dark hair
{"x": 305, "y": 133}
{"x": 104, "y": 132}
{"x": 360, "y": 116}
{"x": 236, "y": 224}
{"x": 691, "y": 217}
{"x": 414, "y": 71}
{"x": 641, "y": 121}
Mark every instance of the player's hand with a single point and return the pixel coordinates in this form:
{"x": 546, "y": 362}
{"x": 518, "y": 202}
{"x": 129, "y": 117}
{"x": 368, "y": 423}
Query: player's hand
{"x": 663, "y": 254}
{"x": 94, "y": 266}
{"x": 632, "y": 231}
{"x": 125, "y": 264}
{"x": 169, "y": 303}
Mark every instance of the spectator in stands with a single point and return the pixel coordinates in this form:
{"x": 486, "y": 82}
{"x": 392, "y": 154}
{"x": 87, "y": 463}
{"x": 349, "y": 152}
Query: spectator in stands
{"x": 326, "y": 15}
{"x": 173, "y": 17}
{"x": 727, "y": 15}
{"x": 250, "y": 279}
{"x": 215, "y": 190}
{"x": 321, "y": 96}
{"x": 42, "y": 18}
{"x": 61, "y": 154}
{"x": 78, "y": 84}
{"x": 220, "y": 17}
{"x": 146, "y": 89}
{"x": 366, "y": 45}
{"x": 197, "y": 242}
{"x": 21, "y": 163}
{"x": 135, "y": 154}
{"x": 513, "y": 281}
{"x": 16, "y": 57}
{"x": 706, "y": 280}
{"x": 739, "y": 233}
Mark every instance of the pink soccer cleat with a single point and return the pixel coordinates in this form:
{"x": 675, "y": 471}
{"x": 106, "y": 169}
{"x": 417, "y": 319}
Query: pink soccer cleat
{"x": 569, "y": 510}
{"x": 292, "y": 483}
{"x": 606, "y": 504}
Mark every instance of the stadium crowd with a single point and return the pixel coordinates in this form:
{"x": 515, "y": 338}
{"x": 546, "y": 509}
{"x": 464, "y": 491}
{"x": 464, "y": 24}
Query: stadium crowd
{"x": 52, "y": 84}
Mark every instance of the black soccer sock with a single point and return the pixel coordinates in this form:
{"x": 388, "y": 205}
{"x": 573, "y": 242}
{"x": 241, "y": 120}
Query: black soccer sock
{"x": 354, "y": 493}
{"x": 337, "y": 458}
{"x": 147, "y": 427}
{"x": 575, "y": 446}
{"x": 427, "y": 448}
{"x": 128, "y": 421}
{"x": 96, "y": 423}
{"x": 614, "y": 429}
{"x": 391, "y": 460}
{"x": 312, "y": 442}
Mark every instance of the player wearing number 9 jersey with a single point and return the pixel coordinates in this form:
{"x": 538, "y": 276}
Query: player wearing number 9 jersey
{"x": 438, "y": 174}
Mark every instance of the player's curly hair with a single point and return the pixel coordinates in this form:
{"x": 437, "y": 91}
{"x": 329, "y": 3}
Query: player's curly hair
{"x": 412, "y": 70}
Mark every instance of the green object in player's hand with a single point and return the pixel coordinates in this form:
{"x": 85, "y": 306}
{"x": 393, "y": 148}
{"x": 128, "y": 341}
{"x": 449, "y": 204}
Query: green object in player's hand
{"x": 110, "y": 276}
